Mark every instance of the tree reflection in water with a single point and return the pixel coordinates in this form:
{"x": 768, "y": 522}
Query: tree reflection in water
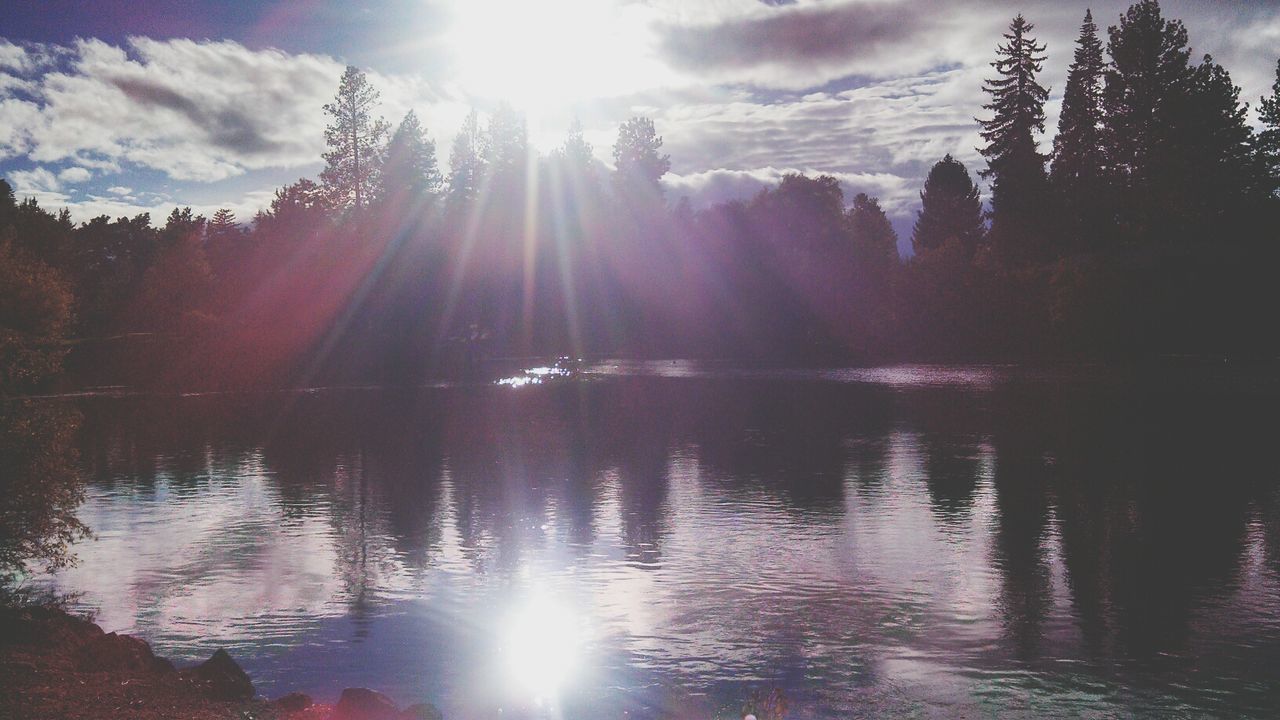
{"x": 855, "y": 542}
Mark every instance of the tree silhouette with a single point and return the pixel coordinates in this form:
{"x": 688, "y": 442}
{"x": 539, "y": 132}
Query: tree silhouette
{"x": 875, "y": 244}
{"x": 950, "y": 209}
{"x": 1214, "y": 157}
{"x": 1078, "y": 171}
{"x": 1148, "y": 73}
{"x": 637, "y": 159}
{"x": 506, "y": 146}
{"x": 1019, "y": 188}
{"x": 410, "y": 169}
{"x": 356, "y": 143}
{"x": 466, "y": 162}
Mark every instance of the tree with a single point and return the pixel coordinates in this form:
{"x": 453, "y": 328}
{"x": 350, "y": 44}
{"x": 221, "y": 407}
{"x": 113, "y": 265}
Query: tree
{"x": 1078, "y": 171}
{"x": 466, "y": 162}
{"x": 875, "y": 244}
{"x": 355, "y": 139}
{"x": 1148, "y": 72}
{"x": 35, "y": 314}
{"x": 40, "y": 489}
{"x": 222, "y": 225}
{"x": 410, "y": 168}
{"x": 576, "y": 152}
{"x": 1213, "y": 165}
{"x": 1019, "y": 187}
{"x": 1268, "y": 141}
{"x": 506, "y": 147}
{"x": 294, "y": 212}
{"x": 950, "y": 209}
{"x": 639, "y": 166}
{"x": 8, "y": 203}
{"x": 182, "y": 224}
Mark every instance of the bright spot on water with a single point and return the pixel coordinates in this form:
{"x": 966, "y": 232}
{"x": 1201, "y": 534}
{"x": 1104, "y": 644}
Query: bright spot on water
{"x": 534, "y": 376}
{"x": 542, "y": 646}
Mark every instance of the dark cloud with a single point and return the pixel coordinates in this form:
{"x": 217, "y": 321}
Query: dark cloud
{"x": 226, "y": 128}
{"x": 797, "y": 37}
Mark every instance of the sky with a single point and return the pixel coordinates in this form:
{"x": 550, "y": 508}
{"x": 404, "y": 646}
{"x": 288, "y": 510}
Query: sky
{"x": 123, "y": 106}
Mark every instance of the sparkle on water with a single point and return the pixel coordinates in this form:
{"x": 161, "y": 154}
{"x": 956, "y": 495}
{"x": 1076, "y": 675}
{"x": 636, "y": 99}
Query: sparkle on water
{"x": 664, "y": 538}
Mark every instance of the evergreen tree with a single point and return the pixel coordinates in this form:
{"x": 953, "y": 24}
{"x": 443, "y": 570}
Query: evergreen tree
{"x": 182, "y": 225}
{"x": 506, "y": 146}
{"x": 1268, "y": 141}
{"x": 1078, "y": 170}
{"x": 294, "y": 211}
{"x": 875, "y": 244}
{"x": 466, "y": 162}
{"x": 950, "y": 209}
{"x": 1019, "y": 188}
{"x": 224, "y": 240}
{"x": 355, "y": 139}
{"x": 1213, "y": 162}
{"x": 639, "y": 166}
{"x": 8, "y": 203}
{"x": 222, "y": 225}
{"x": 410, "y": 168}
{"x": 1141, "y": 97}
{"x": 576, "y": 152}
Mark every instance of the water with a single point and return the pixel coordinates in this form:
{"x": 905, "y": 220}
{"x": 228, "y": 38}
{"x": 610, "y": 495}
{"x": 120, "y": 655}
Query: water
{"x": 662, "y": 539}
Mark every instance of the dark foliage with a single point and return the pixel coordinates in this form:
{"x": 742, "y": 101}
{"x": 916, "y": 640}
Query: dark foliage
{"x": 1156, "y": 241}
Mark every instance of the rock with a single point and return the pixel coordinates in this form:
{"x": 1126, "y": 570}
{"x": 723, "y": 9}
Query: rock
{"x": 422, "y": 711}
{"x": 220, "y": 678}
{"x": 364, "y": 704}
{"x": 119, "y": 653}
{"x": 49, "y": 628}
{"x": 292, "y": 703}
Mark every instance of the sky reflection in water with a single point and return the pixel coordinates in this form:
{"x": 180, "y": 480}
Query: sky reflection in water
{"x": 904, "y": 540}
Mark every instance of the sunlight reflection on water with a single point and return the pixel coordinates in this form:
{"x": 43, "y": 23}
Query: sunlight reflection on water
{"x": 664, "y": 545}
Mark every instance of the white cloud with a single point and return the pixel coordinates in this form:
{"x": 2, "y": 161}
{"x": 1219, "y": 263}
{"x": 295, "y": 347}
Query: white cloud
{"x": 120, "y": 190}
{"x": 196, "y": 111}
{"x": 74, "y": 174}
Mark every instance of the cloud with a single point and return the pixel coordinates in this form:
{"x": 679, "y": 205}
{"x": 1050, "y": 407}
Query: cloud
{"x": 800, "y": 37}
{"x": 74, "y": 174}
{"x": 119, "y": 190}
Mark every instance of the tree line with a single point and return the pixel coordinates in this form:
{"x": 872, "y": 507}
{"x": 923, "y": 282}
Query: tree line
{"x": 1149, "y": 227}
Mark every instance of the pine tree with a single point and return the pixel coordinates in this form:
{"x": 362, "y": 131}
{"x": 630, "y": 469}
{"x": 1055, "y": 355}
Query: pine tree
{"x": 950, "y": 209}
{"x": 875, "y": 244}
{"x": 356, "y": 143}
{"x": 639, "y": 166}
{"x": 1214, "y": 171}
{"x": 1148, "y": 73}
{"x": 222, "y": 225}
{"x": 1268, "y": 141}
{"x": 410, "y": 169}
{"x": 466, "y": 162}
{"x": 1019, "y": 187}
{"x": 1078, "y": 171}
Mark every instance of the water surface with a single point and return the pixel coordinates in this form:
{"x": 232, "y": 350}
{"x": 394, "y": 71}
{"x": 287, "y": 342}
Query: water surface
{"x": 661, "y": 539}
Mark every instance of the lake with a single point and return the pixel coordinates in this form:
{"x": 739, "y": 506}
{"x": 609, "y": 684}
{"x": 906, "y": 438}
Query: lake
{"x": 662, "y": 539}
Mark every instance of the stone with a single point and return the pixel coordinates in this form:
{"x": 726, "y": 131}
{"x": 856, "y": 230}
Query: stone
{"x": 220, "y": 678}
{"x": 364, "y": 704}
{"x": 117, "y": 653}
{"x": 422, "y": 711}
{"x": 292, "y": 703}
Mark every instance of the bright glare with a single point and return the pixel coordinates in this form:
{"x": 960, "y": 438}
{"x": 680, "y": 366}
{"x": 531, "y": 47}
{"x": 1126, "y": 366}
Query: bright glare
{"x": 545, "y": 56}
{"x": 543, "y": 646}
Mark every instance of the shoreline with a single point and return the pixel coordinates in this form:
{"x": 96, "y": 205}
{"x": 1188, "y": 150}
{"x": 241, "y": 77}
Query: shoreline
{"x": 57, "y": 666}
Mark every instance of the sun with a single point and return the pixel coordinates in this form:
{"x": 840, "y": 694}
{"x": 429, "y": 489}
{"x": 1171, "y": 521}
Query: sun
{"x": 546, "y": 56}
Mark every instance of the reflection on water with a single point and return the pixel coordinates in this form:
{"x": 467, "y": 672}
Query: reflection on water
{"x": 663, "y": 538}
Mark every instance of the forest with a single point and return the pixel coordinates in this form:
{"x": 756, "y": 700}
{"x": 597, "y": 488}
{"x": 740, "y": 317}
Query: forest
{"x": 1147, "y": 228}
